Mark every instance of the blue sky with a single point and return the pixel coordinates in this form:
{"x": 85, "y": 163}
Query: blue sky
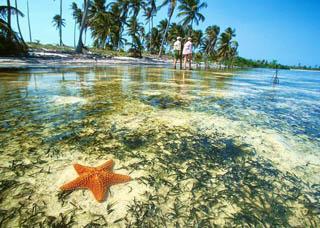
{"x": 286, "y": 30}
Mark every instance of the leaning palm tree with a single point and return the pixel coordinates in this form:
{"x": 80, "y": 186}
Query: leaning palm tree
{"x": 225, "y": 44}
{"x": 18, "y": 23}
{"x": 190, "y": 12}
{"x": 83, "y": 25}
{"x": 58, "y": 22}
{"x": 9, "y": 19}
{"x": 5, "y": 15}
{"x": 77, "y": 15}
{"x": 172, "y": 4}
{"x": 10, "y": 42}
{"x": 210, "y": 41}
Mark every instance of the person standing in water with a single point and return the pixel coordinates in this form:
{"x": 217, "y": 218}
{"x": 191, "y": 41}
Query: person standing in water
{"x": 177, "y": 52}
{"x": 187, "y": 53}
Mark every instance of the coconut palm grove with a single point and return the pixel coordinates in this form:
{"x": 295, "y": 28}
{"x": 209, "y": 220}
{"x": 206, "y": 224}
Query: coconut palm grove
{"x": 127, "y": 25}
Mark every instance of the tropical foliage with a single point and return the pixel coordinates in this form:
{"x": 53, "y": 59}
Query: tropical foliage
{"x": 11, "y": 42}
{"x": 58, "y": 23}
{"x": 119, "y": 25}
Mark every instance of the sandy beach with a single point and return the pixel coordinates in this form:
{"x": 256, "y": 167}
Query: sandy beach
{"x": 49, "y": 58}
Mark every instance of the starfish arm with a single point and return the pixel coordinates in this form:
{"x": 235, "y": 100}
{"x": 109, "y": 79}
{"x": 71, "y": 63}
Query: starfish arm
{"x": 113, "y": 178}
{"x": 81, "y": 169}
{"x": 107, "y": 166}
{"x": 98, "y": 188}
{"x": 79, "y": 182}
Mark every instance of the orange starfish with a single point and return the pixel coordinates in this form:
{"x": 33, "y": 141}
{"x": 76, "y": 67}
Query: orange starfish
{"x": 97, "y": 179}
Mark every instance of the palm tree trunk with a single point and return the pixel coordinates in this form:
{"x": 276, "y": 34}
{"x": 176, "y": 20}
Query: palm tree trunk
{"x": 9, "y": 19}
{"x": 150, "y": 42}
{"x": 85, "y": 36}
{"x": 30, "y": 37}
{"x": 164, "y": 37}
{"x": 74, "y": 33}
{"x": 151, "y": 31}
{"x": 191, "y": 26}
{"x": 60, "y": 27}
{"x": 18, "y": 24}
{"x": 83, "y": 22}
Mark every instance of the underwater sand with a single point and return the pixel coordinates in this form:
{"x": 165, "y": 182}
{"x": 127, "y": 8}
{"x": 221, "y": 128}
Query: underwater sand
{"x": 203, "y": 148}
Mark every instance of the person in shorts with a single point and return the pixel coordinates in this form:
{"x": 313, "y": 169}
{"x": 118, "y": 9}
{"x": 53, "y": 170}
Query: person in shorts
{"x": 177, "y": 51}
{"x": 187, "y": 53}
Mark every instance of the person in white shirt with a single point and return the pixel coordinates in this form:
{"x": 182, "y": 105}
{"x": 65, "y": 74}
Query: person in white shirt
{"x": 177, "y": 52}
{"x": 187, "y": 53}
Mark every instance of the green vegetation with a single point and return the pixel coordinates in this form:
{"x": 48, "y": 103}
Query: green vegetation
{"x": 120, "y": 25}
{"x": 242, "y": 62}
{"x": 11, "y": 43}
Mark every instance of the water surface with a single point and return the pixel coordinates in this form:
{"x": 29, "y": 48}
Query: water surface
{"x": 205, "y": 148}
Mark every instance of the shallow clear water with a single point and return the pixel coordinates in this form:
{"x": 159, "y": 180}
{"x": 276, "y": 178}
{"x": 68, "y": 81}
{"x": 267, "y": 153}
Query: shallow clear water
{"x": 205, "y": 148}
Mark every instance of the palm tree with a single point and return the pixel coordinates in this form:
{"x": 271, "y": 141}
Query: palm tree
{"x": 162, "y": 26}
{"x": 116, "y": 37}
{"x": 190, "y": 11}
{"x": 77, "y": 15}
{"x": 10, "y": 42}
{"x": 83, "y": 25}
{"x": 29, "y": 26}
{"x": 101, "y": 29}
{"x": 225, "y": 44}
{"x": 197, "y": 38}
{"x": 150, "y": 12}
{"x": 18, "y": 23}
{"x": 9, "y": 19}
{"x": 233, "y": 50}
{"x": 5, "y": 16}
{"x": 210, "y": 41}
{"x": 136, "y": 6}
{"x": 58, "y": 22}
{"x": 171, "y": 7}
{"x": 100, "y": 22}
{"x": 175, "y": 30}
{"x": 153, "y": 41}
{"x": 120, "y": 10}
{"x": 147, "y": 15}
{"x": 60, "y": 28}
{"x": 135, "y": 30}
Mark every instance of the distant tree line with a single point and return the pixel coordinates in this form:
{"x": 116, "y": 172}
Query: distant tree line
{"x": 243, "y": 62}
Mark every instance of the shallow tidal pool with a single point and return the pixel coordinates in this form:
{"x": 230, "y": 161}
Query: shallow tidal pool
{"x": 203, "y": 148}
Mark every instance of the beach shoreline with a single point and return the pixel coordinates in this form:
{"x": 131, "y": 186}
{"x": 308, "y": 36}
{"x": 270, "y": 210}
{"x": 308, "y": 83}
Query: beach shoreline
{"x": 48, "y": 60}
